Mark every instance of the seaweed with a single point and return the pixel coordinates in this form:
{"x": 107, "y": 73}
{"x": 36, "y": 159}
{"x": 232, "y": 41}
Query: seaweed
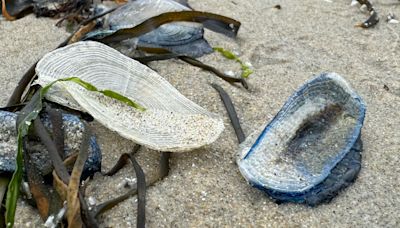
{"x": 214, "y": 22}
{"x": 68, "y": 186}
{"x": 165, "y": 55}
{"x": 246, "y": 71}
{"x": 140, "y": 187}
{"x": 230, "y": 109}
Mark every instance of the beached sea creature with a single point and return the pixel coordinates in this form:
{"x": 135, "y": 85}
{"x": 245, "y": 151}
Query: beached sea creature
{"x": 71, "y": 10}
{"x": 73, "y": 131}
{"x": 311, "y": 147}
{"x": 177, "y": 37}
{"x": 171, "y": 122}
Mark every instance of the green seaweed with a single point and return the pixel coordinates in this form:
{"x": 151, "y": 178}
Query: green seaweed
{"x": 33, "y": 109}
{"x": 246, "y": 71}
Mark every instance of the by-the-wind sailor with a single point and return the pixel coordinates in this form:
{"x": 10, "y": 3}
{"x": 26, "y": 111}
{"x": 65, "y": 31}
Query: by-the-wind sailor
{"x": 171, "y": 122}
{"x": 178, "y": 37}
{"x": 73, "y": 132}
{"x": 311, "y": 149}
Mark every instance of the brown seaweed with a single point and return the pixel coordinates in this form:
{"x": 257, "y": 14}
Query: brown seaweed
{"x": 165, "y": 55}
{"x": 230, "y": 109}
{"x": 214, "y": 22}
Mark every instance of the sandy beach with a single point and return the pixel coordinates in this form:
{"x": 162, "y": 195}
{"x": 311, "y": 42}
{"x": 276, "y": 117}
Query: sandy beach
{"x": 286, "y": 48}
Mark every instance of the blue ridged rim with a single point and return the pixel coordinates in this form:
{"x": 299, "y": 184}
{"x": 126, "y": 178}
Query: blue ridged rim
{"x": 327, "y": 167}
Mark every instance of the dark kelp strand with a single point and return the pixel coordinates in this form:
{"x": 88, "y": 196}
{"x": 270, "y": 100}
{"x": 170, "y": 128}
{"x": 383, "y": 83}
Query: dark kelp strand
{"x": 231, "y": 112}
{"x": 214, "y": 22}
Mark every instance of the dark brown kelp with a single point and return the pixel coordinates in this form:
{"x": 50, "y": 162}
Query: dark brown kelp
{"x": 139, "y": 187}
{"x": 190, "y": 60}
{"x": 214, "y": 22}
{"x": 47, "y": 201}
{"x": 230, "y": 109}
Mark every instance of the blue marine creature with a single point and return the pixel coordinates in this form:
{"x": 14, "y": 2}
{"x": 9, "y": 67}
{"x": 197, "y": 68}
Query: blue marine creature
{"x": 178, "y": 37}
{"x": 312, "y": 147}
{"x": 73, "y": 129}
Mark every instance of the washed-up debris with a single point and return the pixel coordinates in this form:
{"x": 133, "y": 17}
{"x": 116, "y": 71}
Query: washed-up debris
{"x": 73, "y": 130}
{"x": 231, "y": 112}
{"x": 391, "y": 19}
{"x": 246, "y": 71}
{"x": 311, "y": 149}
{"x": 140, "y": 188}
{"x": 179, "y": 38}
{"x": 385, "y": 87}
{"x": 194, "y": 62}
{"x": 200, "y": 126}
{"x": 373, "y": 15}
{"x": 154, "y": 24}
{"x": 71, "y": 10}
{"x": 67, "y": 190}
{"x": 167, "y": 110}
{"x": 278, "y": 7}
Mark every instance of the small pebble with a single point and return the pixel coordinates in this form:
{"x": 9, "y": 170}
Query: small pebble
{"x": 92, "y": 201}
{"x": 229, "y": 73}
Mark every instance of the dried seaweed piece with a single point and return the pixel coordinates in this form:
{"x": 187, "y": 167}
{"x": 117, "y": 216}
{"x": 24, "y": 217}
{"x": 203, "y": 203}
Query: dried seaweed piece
{"x": 73, "y": 202}
{"x": 140, "y": 188}
{"x": 373, "y": 19}
{"x": 122, "y": 161}
{"x": 227, "y": 78}
{"x": 61, "y": 175}
{"x": 47, "y": 201}
{"x": 231, "y": 112}
{"x": 165, "y": 55}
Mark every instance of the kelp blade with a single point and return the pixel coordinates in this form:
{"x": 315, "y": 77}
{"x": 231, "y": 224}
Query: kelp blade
{"x": 214, "y": 22}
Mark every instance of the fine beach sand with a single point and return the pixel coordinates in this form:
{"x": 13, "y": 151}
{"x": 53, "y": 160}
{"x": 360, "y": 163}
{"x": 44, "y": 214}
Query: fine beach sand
{"x": 286, "y": 47}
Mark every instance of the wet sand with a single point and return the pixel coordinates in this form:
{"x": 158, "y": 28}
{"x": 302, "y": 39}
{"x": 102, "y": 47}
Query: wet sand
{"x": 286, "y": 47}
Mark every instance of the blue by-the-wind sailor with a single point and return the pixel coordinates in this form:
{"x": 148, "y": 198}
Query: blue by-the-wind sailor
{"x": 177, "y": 37}
{"x": 73, "y": 131}
{"x": 311, "y": 148}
